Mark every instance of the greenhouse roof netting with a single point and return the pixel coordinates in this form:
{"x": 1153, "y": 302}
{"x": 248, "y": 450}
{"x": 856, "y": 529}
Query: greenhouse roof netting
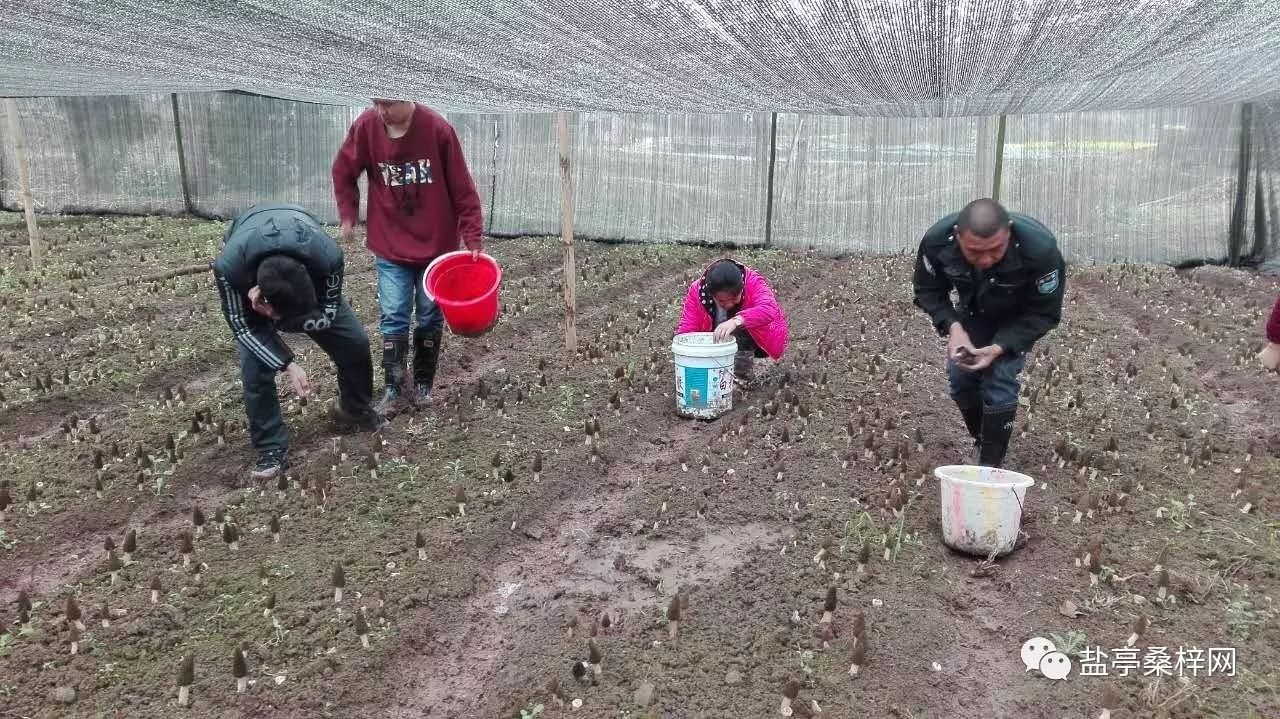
{"x": 861, "y": 57}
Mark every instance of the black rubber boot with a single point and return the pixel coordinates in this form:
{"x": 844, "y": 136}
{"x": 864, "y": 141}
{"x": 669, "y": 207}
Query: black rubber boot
{"x": 973, "y": 421}
{"x": 395, "y": 350}
{"x": 426, "y": 357}
{"x": 997, "y": 427}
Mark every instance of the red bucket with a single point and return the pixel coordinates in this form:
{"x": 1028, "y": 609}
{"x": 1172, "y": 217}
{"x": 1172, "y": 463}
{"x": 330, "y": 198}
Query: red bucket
{"x": 466, "y": 291}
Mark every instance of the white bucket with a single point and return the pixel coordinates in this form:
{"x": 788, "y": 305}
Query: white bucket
{"x": 704, "y": 374}
{"x": 981, "y": 508}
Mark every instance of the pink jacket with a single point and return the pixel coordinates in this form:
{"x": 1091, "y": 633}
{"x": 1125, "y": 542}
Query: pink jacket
{"x": 1273, "y": 324}
{"x": 760, "y": 313}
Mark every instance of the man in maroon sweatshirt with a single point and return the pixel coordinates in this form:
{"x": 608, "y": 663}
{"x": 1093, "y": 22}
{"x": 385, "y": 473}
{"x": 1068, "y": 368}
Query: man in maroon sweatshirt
{"x": 422, "y": 204}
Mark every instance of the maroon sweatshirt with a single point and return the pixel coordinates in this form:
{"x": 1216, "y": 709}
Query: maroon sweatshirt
{"x": 1273, "y": 324}
{"x": 422, "y": 201}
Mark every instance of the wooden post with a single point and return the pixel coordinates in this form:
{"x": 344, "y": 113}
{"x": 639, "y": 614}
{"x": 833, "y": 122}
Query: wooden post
{"x": 995, "y": 182}
{"x": 566, "y": 232}
{"x": 1235, "y": 232}
{"x": 773, "y": 159}
{"x": 182, "y": 157}
{"x": 24, "y": 180}
{"x": 493, "y": 181}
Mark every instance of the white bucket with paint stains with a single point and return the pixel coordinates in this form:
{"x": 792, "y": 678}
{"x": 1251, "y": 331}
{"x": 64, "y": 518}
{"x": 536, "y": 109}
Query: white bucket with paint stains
{"x": 981, "y": 508}
{"x": 704, "y": 374}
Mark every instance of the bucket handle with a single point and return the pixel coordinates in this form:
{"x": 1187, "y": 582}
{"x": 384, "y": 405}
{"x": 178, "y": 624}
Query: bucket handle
{"x": 1021, "y": 508}
{"x": 427, "y": 290}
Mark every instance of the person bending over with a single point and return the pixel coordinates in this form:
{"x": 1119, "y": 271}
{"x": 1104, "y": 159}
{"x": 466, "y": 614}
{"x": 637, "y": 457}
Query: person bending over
{"x": 1010, "y": 280}
{"x": 280, "y": 272}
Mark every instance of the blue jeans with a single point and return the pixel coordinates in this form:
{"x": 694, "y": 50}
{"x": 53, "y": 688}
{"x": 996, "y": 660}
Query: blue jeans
{"x": 995, "y": 387}
{"x": 399, "y": 291}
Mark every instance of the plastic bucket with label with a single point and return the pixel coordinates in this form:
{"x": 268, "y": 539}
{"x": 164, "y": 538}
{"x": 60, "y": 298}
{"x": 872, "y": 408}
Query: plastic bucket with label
{"x": 704, "y": 374}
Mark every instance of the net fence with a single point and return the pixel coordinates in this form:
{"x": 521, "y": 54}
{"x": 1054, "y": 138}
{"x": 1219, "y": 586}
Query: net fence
{"x": 1146, "y": 130}
{"x": 1142, "y": 185}
{"x": 855, "y": 57}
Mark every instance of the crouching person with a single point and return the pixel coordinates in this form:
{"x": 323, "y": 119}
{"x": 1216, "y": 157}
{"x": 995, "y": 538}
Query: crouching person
{"x": 280, "y": 272}
{"x": 735, "y": 302}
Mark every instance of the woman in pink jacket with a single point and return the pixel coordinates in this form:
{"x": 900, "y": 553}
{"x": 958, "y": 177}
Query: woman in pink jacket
{"x": 734, "y": 301}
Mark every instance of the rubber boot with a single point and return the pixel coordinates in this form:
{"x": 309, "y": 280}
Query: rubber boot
{"x": 997, "y": 427}
{"x": 426, "y": 357}
{"x": 744, "y": 366}
{"x": 395, "y": 350}
{"x": 973, "y": 421}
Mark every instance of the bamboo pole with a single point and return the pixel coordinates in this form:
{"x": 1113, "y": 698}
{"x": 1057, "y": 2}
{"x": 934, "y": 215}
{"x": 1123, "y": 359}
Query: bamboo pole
{"x": 170, "y": 274}
{"x": 184, "y": 271}
{"x": 24, "y": 180}
{"x": 566, "y": 232}
{"x": 995, "y": 182}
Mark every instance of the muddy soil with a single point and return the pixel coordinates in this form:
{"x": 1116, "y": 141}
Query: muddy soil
{"x": 728, "y": 516}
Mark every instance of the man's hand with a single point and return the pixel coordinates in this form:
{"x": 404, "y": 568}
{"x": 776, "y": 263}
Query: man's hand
{"x": 348, "y": 231}
{"x": 981, "y": 358}
{"x": 726, "y": 329}
{"x": 959, "y": 346}
{"x": 1270, "y": 356}
{"x": 475, "y": 254}
{"x": 260, "y": 305}
{"x": 298, "y": 380}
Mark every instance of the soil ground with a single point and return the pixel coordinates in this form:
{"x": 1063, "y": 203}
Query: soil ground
{"x": 730, "y": 514}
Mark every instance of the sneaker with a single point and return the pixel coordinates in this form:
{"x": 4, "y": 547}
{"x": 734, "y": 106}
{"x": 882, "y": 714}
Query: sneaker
{"x": 269, "y": 466}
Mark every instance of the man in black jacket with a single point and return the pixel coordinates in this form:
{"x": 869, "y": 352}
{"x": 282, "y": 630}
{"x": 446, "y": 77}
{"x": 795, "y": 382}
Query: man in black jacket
{"x": 279, "y": 271}
{"x": 1010, "y": 279}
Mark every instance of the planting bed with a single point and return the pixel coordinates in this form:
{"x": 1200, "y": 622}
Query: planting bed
{"x": 728, "y": 515}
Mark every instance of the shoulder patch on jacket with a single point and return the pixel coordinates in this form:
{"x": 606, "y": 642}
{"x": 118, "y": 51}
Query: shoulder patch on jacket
{"x": 928, "y": 266}
{"x": 1047, "y": 284}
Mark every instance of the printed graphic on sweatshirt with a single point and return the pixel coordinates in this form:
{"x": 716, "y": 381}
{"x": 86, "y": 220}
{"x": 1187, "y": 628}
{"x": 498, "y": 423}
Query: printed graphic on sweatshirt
{"x": 398, "y": 174}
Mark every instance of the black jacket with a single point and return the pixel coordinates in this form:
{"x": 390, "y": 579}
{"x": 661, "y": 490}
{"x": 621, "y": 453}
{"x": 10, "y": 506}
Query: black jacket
{"x": 259, "y": 232}
{"x": 1012, "y": 304}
